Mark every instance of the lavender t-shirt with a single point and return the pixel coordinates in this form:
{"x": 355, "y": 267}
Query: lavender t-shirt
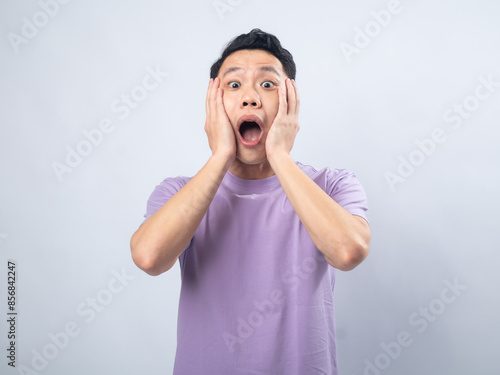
{"x": 256, "y": 295}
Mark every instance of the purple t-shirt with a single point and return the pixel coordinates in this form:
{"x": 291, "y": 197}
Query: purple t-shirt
{"x": 256, "y": 294}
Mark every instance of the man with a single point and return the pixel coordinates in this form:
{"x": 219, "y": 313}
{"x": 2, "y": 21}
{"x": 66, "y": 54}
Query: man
{"x": 257, "y": 235}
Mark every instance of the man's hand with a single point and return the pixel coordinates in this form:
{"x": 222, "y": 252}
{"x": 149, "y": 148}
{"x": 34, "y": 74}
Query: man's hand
{"x": 161, "y": 239}
{"x": 285, "y": 126}
{"x": 221, "y": 137}
{"x": 343, "y": 238}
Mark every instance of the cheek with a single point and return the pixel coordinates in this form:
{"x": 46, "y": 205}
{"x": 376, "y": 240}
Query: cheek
{"x": 273, "y": 104}
{"x": 229, "y": 104}
{"x": 228, "y": 99}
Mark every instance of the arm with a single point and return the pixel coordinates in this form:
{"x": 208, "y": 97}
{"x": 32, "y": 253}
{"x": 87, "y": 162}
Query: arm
{"x": 343, "y": 238}
{"x": 162, "y": 238}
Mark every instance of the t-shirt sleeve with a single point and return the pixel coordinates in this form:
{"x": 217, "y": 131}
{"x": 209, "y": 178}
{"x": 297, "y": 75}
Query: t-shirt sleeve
{"x": 347, "y": 191}
{"x": 162, "y": 193}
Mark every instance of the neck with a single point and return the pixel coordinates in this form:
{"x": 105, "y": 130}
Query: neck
{"x": 251, "y": 171}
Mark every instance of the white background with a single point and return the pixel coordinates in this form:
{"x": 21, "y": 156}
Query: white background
{"x": 69, "y": 236}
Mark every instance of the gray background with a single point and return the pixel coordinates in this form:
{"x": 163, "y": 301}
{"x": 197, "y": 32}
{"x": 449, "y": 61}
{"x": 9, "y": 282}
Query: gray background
{"x": 69, "y": 236}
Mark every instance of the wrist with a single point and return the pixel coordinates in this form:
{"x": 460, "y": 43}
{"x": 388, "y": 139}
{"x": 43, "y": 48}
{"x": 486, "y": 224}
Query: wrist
{"x": 221, "y": 161}
{"x": 278, "y": 158}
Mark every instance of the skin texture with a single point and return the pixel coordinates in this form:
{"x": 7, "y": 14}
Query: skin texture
{"x": 256, "y": 93}
{"x": 251, "y": 83}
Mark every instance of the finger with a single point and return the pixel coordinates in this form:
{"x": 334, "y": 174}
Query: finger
{"x": 219, "y": 103}
{"x": 213, "y": 98}
{"x": 297, "y": 99}
{"x": 221, "y": 109}
{"x": 291, "y": 97}
{"x": 282, "y": 105}
{"x": 209, "y": 93}
{"x": 215, "y": 89}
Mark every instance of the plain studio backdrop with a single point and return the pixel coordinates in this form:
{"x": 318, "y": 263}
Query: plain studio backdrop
{"x": 100, "y": 101}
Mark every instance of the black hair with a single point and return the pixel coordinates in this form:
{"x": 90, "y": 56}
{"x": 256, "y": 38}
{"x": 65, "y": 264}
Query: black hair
{"x": 257, "y": 39}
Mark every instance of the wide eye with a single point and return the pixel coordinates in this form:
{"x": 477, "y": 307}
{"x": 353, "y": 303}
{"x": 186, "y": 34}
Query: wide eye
{"x": 267, "y": 84}
{"x": 234, "y": 85}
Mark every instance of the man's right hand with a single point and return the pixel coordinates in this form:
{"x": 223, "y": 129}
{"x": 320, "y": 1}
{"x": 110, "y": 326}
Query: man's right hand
{"x": 221, "y": 137}
{"x": 161, "y": 239}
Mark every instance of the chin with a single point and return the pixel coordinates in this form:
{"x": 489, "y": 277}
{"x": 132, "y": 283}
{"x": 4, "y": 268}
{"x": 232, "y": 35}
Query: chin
{"x": 251, "y": 157}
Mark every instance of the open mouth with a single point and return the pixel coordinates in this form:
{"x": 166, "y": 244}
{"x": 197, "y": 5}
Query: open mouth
{"x": 250, "y": 130}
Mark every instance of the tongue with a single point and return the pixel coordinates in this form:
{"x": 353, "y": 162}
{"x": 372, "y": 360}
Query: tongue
{"x": 251, "y": 133}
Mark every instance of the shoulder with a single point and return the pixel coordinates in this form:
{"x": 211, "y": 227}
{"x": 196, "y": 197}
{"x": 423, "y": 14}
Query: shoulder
{"x": 163, "y": 192}
{"x": 172, "y": 184}
{"x": 327, "y": 177}
{"x": 342, "y": 186}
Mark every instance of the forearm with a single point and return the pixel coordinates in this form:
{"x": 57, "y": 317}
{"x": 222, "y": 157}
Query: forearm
{"x": 160, "y": 240}
{"x": 343, "y": 238}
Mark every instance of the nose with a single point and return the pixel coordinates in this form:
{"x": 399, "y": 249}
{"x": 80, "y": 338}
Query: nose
{"x": 250, "y": 98}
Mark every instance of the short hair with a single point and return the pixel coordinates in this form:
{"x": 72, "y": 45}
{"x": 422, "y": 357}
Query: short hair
{"x": 257, "y": 39}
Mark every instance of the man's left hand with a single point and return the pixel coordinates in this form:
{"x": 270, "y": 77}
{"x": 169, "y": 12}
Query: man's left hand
{"x": 285, "y": 126}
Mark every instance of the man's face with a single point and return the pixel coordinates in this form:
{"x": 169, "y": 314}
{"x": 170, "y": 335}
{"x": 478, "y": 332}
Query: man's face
{"x": 249, "y": 80}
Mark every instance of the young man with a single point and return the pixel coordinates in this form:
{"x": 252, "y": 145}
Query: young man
{"x": 257, "y": 235}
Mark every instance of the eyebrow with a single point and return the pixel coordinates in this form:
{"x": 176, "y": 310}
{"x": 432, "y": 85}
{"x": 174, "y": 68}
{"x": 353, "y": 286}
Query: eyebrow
{"x": 266, "y": 68}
